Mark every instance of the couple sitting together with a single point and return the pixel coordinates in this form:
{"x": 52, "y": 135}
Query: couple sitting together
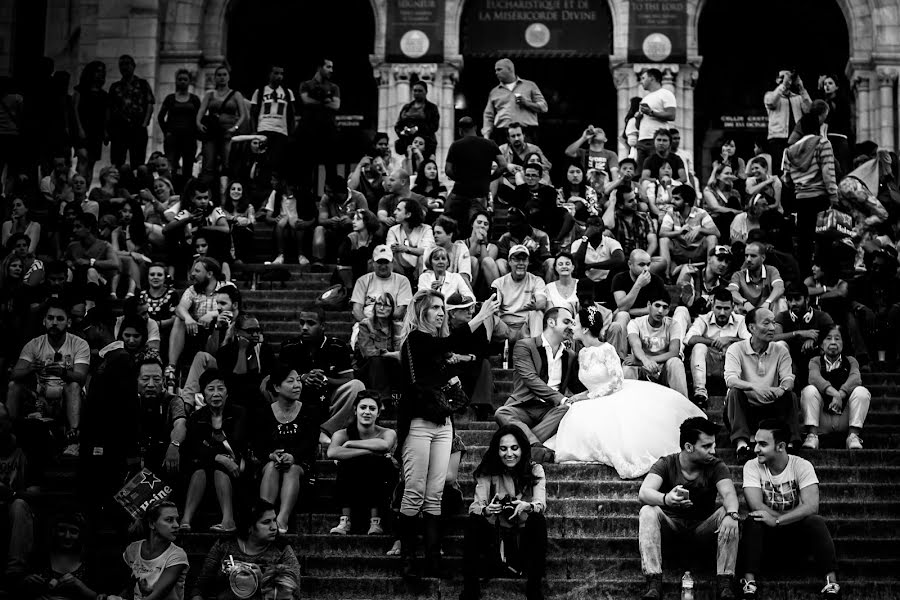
{"x": 585, "y": 410}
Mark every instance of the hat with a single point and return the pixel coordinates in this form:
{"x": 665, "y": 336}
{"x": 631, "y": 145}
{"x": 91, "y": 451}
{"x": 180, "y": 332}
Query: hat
{"x": 796, "y": 289}
{"x": 457, "y": 301}
{"x": 382, "y": 252}
{"x": 519, "y": 249}
{"x": 721, "y": 251}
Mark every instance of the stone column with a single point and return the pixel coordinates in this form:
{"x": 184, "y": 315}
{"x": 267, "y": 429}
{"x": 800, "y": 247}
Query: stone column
{"x": 863, "y": 106}
{"x": 886, "y": 79}
{"x": 669, "y": 74}
{"x": 626, "y": 87}
{"x": 382, "y": 76}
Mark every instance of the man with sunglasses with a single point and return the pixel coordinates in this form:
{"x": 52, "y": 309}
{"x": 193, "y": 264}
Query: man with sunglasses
{"x": 245, "y": 360}
{"x": 49, "y": 375}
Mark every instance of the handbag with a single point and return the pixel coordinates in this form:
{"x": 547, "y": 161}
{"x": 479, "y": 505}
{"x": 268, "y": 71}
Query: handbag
{"x": 212, "y": 119}
{"x": 834, "y": 224}
{"x": 448, "y": 398}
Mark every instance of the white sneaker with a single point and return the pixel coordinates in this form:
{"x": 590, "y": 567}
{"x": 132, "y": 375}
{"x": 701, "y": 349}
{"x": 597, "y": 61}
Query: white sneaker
{"x": 811, "y": 442}
{"x": 853, "y": 442}
{"x": 279, "y": 260}
{"x": 375, "y": 526}
{"x": 343, "y": 528}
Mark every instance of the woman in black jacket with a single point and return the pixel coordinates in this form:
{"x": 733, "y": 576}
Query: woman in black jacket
{"x": 424, "y": 429}
{"x": 214, "y": 448}
{"x": 418, "y": 118}
{"x": 839, "y": 121}
{"x": 287, "y": 432}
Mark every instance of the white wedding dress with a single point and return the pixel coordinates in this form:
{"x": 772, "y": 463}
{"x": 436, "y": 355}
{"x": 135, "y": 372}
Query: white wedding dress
{"x": 627, "y": 424}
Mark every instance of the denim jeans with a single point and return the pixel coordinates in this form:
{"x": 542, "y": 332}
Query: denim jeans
{"x": 653, "y": 521}
{"x": 426, "y": 454}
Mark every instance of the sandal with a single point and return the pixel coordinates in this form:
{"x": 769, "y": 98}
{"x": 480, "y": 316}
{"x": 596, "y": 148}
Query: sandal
{"x": 219, "y": 528}
{"x": 184, "y": 528}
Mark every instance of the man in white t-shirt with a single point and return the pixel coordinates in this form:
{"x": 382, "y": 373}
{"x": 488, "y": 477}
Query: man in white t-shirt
{"x": 273, "y": 110}
{"x": 371, "y": 286}
{"x": 655, "y": 342}
{"x": 782, "y": 493}
{"x": 48, "y": 378}
{"x": 657, "y": 110}
{"x": 522, "y": 296}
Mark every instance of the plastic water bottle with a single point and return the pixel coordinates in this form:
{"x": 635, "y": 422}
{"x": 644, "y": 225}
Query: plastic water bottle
{"x": 687, "y": 586}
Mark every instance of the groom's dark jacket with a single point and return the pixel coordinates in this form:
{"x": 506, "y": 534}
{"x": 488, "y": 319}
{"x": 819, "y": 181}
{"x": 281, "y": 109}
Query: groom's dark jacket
{"x": 530, "y": 373}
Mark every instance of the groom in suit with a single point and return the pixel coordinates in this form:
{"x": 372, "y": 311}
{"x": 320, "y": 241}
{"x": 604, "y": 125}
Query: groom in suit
{"x": 543, "y": 367}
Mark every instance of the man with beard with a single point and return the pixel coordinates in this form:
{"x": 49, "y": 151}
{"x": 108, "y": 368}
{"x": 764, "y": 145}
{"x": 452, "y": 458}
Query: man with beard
{"x": 632, "y": 227}
{"x": 515, "y": 153}
{"x": 697, "y": 286}
{"x": 48, "y": 377}
{"x": 756, "y": 285}
{"x": 397, "y": 189}
{"x": 709, "y": 337}
{"x": 196, "y": 313}
{"x": 597, "y": 259}
{"x": 539, "y": 203}
{"x": 193, "y": 216}
{"x": 782, "y": 493}
{"x": 655, "y": 342}
{"x": 368, "y": 179}
{"x": 544, "y": 369}
{"x": 325, "y": 365}
{"x": 320, "y": 100}
{"x": 801, "y": 327}
{"x": 686, "y": 233}
{"x": 521, "y": 233}
{"x": 679, "y": 496}
{"x": 759, "y": 379}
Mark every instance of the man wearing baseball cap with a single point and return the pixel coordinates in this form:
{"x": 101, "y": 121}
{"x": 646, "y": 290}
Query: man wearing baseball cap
{"x": 372, "y": 286}
{"x": 698, "y": 284}
{"x": 522, "y": 296}
{"x": 472, "y": 327}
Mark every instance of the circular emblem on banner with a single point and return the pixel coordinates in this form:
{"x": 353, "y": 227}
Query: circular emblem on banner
{"x": 414, "y": 43}
{"x": 657, "y": 47}
{"x": 537, "y": 35}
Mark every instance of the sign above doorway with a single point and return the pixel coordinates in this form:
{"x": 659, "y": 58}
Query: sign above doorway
{"x": 545, "y": 28}
{"x": 415, "y": 31}
{"x": 657, "y": 31}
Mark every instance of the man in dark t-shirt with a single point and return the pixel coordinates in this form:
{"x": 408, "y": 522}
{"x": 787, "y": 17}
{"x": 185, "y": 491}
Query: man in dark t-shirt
{"x": 469, "y": 164}
{"x": 679, "y": 496}
{"x": 802, "y": 328}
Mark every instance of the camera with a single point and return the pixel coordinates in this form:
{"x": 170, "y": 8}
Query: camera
{"x": 507, "y": 507}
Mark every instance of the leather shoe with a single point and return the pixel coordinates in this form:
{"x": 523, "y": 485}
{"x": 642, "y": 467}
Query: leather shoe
{"x": 542, "y": 454}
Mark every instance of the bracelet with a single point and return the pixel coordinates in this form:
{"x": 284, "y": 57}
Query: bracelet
{"x": 665, "y": 503}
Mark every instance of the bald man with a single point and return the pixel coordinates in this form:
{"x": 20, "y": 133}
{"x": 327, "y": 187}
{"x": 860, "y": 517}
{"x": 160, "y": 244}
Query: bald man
{"x": 514, "y": 100}
{"x": 398, "y": 189}
{"x": 633, "y": 290}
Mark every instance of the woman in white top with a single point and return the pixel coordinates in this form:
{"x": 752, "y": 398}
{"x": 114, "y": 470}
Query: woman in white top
{"x": 563, "y": 293}
{"x": 762, "y": 183}
{"x": 410, "y": 239}
{"x": 438, "y": 278}
{"x": 20, "y": 223}
{"x": 158, "y": 566}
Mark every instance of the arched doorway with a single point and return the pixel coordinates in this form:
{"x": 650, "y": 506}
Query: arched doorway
{"x": 297, "y": 34}
{"x": 744, "y": 43}
{"x": 575, "y": 79}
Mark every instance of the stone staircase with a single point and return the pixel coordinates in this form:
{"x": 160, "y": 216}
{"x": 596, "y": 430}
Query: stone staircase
{"x": 592, "y": 513}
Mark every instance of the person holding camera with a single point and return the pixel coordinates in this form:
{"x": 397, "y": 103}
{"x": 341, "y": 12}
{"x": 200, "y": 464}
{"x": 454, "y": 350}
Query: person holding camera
{"x": 657, "y": 110}
{"x": 237, "y": 567}
{"x": 785, "y": 105}
{"x": 366, "y": 474}
{"x": 419, "y": 118}
{"x": 510, "y": 494}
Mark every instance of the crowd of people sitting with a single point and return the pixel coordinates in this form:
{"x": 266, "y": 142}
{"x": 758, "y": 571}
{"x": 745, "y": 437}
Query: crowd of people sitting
{"x": 775, "y": 283}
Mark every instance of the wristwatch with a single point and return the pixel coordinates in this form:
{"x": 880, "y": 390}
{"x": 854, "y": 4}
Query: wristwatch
{"x": 175, "y": 443}
{"x": 93, "y": 260}
{"x": 734, "y": 515}
{"x": 777, "y": 521}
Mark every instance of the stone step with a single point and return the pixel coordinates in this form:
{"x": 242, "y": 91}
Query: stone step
{"x": 626, "y": 524}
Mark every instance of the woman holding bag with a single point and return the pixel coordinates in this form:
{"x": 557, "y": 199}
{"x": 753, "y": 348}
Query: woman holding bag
{"x": 424, "y": 429}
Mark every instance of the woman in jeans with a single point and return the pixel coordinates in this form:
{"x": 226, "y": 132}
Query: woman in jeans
{"x": 423, "y": 426}
{"x": 221, "y": 113}
{"x": 510, "y": 492}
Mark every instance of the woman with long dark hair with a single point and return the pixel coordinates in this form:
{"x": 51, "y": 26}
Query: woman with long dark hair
{"x": 429, "y": 185}
{"x": 222, "y": 111}
{"x": 129, "y": 242}
{"x": 839, "y": 121}
{"x": 632, "y": 126}
{"x": 482, "y": 251}
{"x": 365, "y": 472}
{"x": 410, "y": 239}
{"x": 510, "y": 493}
{"x": 242, "y": 217}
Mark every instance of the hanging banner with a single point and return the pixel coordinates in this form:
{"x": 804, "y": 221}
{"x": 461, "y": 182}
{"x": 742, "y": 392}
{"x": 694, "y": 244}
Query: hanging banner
{"x": 657, "y": 31}
{"x": 497, "y": 28}
{"x": 415, "y": 31}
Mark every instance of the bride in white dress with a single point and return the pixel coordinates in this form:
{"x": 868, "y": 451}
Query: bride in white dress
{"x": 625, "y": 423}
